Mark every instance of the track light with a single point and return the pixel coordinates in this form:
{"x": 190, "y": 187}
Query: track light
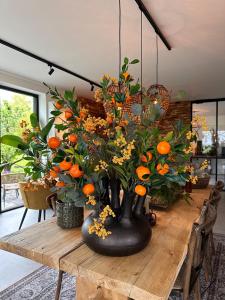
{"x": 92, "y": 87}
{"x": 51, "y": 71}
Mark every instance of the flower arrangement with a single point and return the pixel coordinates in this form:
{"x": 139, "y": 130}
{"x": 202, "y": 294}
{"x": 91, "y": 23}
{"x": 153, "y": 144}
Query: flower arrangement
{"x": 97, "y": 158}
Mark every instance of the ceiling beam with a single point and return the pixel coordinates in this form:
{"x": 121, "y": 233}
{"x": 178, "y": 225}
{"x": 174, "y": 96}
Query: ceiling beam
{"x": 48, "y": 62}
{"x": 143, "y": 8}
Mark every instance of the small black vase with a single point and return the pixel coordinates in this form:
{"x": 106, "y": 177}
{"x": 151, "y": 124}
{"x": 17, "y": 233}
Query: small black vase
{"x": 130, "y": 233}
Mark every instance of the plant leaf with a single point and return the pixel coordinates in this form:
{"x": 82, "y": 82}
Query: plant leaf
{"x": 134, "y": 61}
{"x": 34, "y": 120}
{"x": 45, "y": 130}
{"x": 13, "y": 141}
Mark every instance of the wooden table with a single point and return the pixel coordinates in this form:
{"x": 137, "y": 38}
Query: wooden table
{"x": 149, "y": 274}
{"x": 44, "y": 242}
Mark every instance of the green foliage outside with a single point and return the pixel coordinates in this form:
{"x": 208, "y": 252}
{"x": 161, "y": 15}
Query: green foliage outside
{"x": 11, "y": 114}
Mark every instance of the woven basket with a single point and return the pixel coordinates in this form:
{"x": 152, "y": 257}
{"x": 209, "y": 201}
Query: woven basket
{"x": 69, "y": 215}
{"x": 202, "y": 183}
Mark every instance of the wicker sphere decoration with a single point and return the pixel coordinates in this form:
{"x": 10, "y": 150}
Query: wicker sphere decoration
{"x": 128, "y": 109}
{"x": 159, "y": 94}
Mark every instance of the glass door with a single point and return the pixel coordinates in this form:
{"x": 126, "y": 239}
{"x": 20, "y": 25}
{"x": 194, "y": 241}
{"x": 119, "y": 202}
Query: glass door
{"x": 15, "y": 108}
{"x": 221, "y": 141}
{"x": 211, "y": 140}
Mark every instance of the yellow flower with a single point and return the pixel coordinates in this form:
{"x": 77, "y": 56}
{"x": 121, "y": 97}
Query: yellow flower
{"x": 204, "y": 165}
{"x": 125, "y": 75}
{"x": 91, "y": 200}
{"x": 98, "y": 226}
{"x": 101, "y": 166}
{"x": 193, "y": 179}
{"x": 91, "y": 124}
{"x": 190, "y": 134}
{"x": 189, "y": 169}
{"x": 114, "y": 80}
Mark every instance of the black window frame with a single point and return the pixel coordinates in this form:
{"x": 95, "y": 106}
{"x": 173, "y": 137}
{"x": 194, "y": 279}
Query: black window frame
{"x": 217, "y": 100}
{"x": 35, "y": 110}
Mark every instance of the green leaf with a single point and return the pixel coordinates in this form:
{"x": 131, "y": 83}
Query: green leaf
{"x": 45, "y": 130}
{"x": 56, "y": 113}
{"x": 60, "y": 127}
{"x": 57, "y": 159}
{"x": 120, "y": 97}
{"x": 34, "y": 120}
{"x": 126, "y": 60}
{"x": 13, "y": 141}
{"x": 65, "y": 178}
{"x": 134, "y": 89}
{"x": 68, "y": 95}
{"x": 169, "y": 136}
{"x": 134, "y": 61}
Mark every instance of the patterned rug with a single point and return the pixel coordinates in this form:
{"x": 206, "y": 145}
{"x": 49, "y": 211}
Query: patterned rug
{"x": 41, "y": 284}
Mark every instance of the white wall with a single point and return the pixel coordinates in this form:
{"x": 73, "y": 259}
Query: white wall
{"x": 28, "y": 85}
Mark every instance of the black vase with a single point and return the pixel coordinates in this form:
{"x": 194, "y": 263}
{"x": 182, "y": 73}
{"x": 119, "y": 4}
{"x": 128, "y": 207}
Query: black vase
{"x": 131, "y": 230}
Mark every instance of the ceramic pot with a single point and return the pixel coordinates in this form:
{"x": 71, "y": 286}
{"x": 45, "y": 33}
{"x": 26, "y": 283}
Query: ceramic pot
{"x": 69, "y": 215}
{"x": 130, "y": 231}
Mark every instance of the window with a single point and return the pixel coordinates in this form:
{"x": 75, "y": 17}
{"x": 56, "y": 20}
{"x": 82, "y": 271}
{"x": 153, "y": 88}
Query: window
{"x": 15, "y": 106}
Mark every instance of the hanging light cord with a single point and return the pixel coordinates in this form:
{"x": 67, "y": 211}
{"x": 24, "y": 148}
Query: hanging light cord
{"x": 141, "y": 56}
{"x": 157, "y": 60}
{"x": 119, "y": 37}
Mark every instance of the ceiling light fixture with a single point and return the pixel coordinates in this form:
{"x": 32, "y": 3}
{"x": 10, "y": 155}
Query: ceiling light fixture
{"x": 157, "y": 92}
{"x": 51, "y": 71}
{"x": 45, "y": 61}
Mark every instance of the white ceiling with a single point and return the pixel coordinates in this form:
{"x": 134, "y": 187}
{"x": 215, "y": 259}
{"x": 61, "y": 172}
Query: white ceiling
{"x": 83, "y": 36}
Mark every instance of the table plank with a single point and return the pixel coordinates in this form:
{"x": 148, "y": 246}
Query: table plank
{"x": 43, "y": 242}
{"x": 151, "y": 273}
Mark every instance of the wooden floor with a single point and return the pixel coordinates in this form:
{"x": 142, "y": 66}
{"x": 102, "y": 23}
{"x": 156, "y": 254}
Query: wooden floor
{"x": 16, "y": 267}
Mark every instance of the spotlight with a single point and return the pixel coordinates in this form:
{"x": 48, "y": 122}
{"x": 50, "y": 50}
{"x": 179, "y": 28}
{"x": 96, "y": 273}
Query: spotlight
{"x": 51, "y": 71}
{"x": 92, "y": 87}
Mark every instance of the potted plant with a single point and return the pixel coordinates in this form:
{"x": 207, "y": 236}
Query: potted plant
{"x": 110, "y": 165}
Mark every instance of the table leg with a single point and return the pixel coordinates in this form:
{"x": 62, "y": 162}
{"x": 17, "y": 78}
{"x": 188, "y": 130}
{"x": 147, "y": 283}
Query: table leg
{"x": 39, "y": 215}
{"x": 59, "y": 285}
{"x": 86, "y": 290}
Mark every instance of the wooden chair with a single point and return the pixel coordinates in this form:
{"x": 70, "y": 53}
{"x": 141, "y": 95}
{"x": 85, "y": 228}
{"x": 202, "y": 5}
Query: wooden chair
{"x": 219, "y": 185}
{"x": 34, "y": 200}
{"x": 188, "y": 278}
{"x": 9, "y": 182}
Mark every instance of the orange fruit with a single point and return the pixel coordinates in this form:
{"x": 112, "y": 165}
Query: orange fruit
{"x": 109, "y": 119}
{"x": 68, "y": 114}
{"x": 54, "y": 142}
{"x": 75, "y": 171}
{"x": 82, "y": 115}
{"x": 78, "y": 119}
{"x": 143, "y": 173}
{"x": 147, "y": 157}
{"x": 60, "y": 184}
{"x": 56, "y": 169}
{"x": 53, "y": 174}
{"x": 88, "y": 189}
{"x": 119, "y": 104}
{"x": 163, "y": 147}
{"x": 58, "y": 105}
{"x": 72, "y": 138}
{"x": 140, "y": 190}
{"x": 128, "y": 99}
{"x": 65, "y": 165}
{"x": 162, "y": 169}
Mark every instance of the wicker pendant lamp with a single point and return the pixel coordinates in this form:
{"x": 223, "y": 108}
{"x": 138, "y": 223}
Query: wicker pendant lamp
{"x": 129, "y": 108}
{"x": 157, "y": 93}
